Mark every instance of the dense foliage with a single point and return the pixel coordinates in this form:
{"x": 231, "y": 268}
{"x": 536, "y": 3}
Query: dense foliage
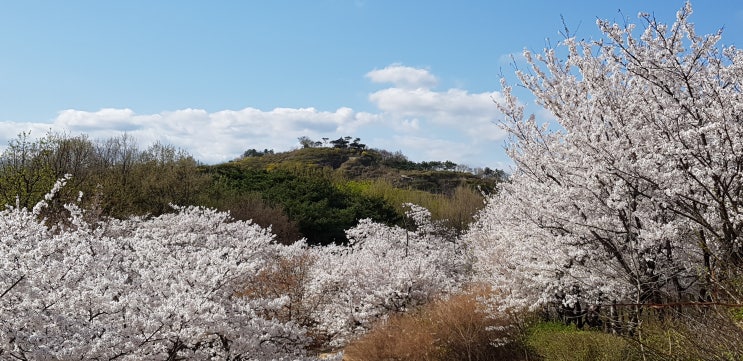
{"x": 116, "y": 177}
{"x": 321, "y": 210}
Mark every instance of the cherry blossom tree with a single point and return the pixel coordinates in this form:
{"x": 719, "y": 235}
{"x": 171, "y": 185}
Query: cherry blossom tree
{"x": 633, "y": 195}
{"x": 161, "y": 288}
{"x": 196, "y": 284}
{"x": 384, "y": 269}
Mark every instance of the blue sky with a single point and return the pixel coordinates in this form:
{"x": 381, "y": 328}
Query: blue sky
{"x": 219, "y": 77}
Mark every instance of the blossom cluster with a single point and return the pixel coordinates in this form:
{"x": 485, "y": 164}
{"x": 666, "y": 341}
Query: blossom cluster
{"x": 633, "y": 194}
{"x": 192, "y": 284}
{"x": 134, "y": 289}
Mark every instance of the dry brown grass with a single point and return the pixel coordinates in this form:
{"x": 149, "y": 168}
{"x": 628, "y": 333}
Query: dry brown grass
{"x": 455, "y": 328}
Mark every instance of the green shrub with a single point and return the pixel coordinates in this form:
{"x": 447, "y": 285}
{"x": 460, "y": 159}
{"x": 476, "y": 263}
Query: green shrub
{"x": 321, "y": 210}
{"x": 455, "y": 210}
{"x": 557, "y": 342}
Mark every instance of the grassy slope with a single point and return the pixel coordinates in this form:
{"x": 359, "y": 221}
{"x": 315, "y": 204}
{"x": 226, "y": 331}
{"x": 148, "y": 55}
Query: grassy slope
{"x": 369, "y": 165}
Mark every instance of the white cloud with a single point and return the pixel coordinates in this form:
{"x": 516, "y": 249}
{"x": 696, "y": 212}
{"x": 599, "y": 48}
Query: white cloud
{"x": 439, "y": 125}
{"x": 104, "y": 119}
{"x": 446, "y": 107}
{"x": 403, "y": 77}
{"x": 454, "y": 111}
{"x": 424, "y": 124}
{"x": 210, "y": 137}
{"x": 408, "y": 125}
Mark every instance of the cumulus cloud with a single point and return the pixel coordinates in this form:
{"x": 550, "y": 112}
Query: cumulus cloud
{"x": 446, "y": 107}
{"x": 445, "y": 112}
{"x": 123, "y": 120}
{"x": 411, "y": 116}
{"x": 431, "y": 124}
{"x": 209, "y": 137}
{"x": 403, "y": 77}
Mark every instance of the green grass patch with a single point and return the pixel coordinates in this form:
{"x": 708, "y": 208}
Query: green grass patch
{"x": 557, "y": 342}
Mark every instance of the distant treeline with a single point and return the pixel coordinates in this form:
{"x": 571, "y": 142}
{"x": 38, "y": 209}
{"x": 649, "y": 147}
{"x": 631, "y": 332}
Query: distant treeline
{"x": 311, "y": 193}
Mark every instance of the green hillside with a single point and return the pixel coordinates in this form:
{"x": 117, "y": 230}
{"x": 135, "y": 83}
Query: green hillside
{"x": 374, "y": 164}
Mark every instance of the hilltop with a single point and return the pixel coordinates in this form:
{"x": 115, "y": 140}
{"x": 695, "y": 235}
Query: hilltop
{"x": 325, "y": 188}
{"x": 354, "y": 161}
